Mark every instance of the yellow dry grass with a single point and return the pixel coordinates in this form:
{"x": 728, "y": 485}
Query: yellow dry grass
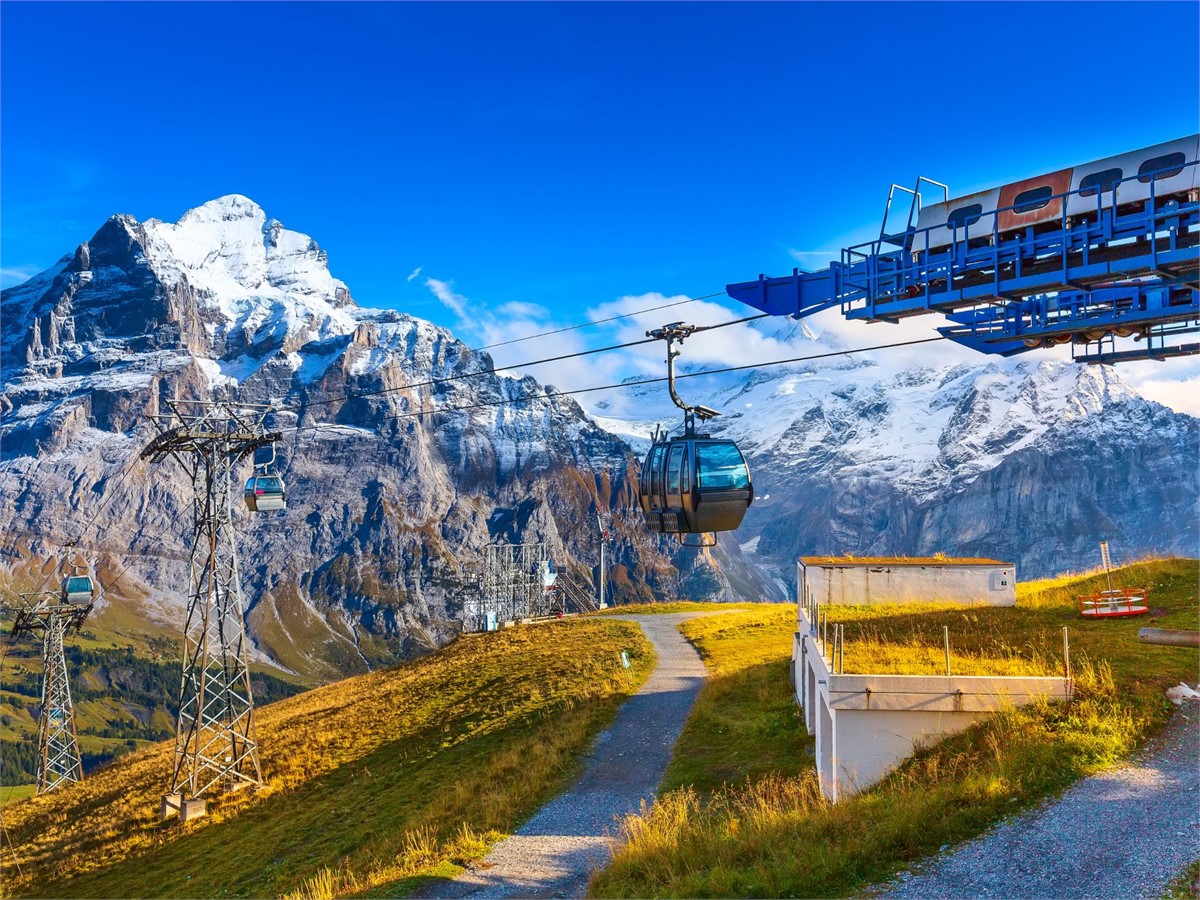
{"x": 745, "y": 818}
{"x": 369, "y": 780}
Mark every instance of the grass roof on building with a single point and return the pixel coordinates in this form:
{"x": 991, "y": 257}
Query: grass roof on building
{"x": 843, "y": 561}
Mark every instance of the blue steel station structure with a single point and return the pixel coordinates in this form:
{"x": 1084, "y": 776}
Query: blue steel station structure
{"x": 1104, "y": 257}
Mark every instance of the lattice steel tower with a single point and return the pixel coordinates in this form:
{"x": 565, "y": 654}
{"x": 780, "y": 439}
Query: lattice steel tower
{"x": 215, "y": 745}
{"x": 514, "y": 585}
{"x": 58, "y": 745}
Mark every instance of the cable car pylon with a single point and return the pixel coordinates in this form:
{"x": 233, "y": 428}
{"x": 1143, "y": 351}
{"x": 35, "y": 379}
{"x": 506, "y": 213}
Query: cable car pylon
{"x": 215, "y": 744}
{"x": 54, "y": 615}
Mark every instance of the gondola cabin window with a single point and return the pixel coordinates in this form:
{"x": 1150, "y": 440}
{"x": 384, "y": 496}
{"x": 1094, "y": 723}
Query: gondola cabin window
{"x": 1099, "y": 182}
{"x": 656, "y": 485}
{"x": 964, "y": 216}
{"x": 1033, "y": 199}
{"x": 720, "y": 467}
{"x": 78, "y": 589}
{"x": 79, "y": 585}
{"x": 673, "y": 465}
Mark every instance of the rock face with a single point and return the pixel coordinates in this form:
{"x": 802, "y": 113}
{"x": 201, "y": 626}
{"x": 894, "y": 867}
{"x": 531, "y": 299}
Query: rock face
{"x": 398, "y": 478}
{"x": 1028, "y": 461}
{"x": 389, "y": 506}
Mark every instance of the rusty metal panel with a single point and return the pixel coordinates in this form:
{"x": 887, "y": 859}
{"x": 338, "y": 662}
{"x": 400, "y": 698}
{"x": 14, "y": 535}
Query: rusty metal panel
{"x": 1059, "y": 183}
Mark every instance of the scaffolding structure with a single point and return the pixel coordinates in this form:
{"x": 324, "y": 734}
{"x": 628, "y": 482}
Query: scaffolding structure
{"x": 215, "y": 745}
{"x": 58, "y": 761}
{"x": 521, "y": 581}
{"x": 518, "y": 582}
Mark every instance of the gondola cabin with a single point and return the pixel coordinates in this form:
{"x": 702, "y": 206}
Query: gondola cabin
{"x": 265, "y": 493}
{"x": 78, "y": 589}
{"x": 695, "y": 485}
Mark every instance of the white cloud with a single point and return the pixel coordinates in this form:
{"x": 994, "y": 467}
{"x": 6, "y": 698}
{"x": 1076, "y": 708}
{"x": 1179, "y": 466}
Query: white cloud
{"x": 15, "y": 275}
{"x": 456, "y": 303}
{"x": 514, "y": 333}
{"x": 814, "y": 259}
{"x": 517, "y": 309}
{"x": 518, "y": 328}
{"x": 414, "y": 274}
{"x": 1174, "y": 383}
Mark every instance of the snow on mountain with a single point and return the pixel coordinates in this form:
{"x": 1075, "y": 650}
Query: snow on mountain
{"x": 400, "y": 477}
{"x": 263, "y": 279}
{"x": 866, "y": 454}
{"x": 927, "y": 427}
{"x": 404, "y": 452}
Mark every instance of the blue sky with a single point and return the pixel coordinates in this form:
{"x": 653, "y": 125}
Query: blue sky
{"x": 562, "y": 155}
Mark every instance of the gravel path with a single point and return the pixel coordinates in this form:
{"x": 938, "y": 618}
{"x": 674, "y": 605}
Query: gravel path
{"x": 555, "y": 852}
{"x": 1123, "y": 833}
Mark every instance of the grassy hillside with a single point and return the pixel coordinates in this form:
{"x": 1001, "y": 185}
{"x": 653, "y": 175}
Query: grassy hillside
{"x": 743, "y": 726}
{"x": 673, "y": 606}
{"x": 124, "y": 669}
{"x": 370, "y": 782}
{"x": 746, "y": 817}
{"x": 124, "y": 699}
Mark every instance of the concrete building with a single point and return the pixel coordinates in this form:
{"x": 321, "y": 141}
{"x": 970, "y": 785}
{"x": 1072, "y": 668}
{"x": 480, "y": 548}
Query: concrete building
{"x": 864, "y": 725}
{"x": 873, "y": 580}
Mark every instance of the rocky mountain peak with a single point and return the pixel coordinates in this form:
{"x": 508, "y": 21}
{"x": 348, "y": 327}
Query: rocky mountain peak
{"x": 228, "y": 208}
{"x": 224, "y": 282}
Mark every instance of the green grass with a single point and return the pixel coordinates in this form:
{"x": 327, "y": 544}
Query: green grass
{"x": 740, "y": 825}
{"x": 375, "y": 784}
{"x": 15, "y": 792}
{"x": 676, "y": 606}
{"x": 1186, "y": 885}
{"x": 742, "y": 726}
{"x": 110, "y": 720}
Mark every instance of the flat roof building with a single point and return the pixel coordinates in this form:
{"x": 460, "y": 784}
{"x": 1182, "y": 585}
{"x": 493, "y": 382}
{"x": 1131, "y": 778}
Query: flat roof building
{"x": 876, "y": 580}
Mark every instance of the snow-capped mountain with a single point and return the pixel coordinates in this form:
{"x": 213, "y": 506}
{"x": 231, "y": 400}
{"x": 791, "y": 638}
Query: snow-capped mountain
{"x": 388, "y": 510}
{"x": 1031, "y": 460}
{"x": 396, "y": 483}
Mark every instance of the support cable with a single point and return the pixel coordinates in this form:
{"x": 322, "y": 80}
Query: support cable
{"x": 445, "y": 379}
{"x": 614, "y": 386}
{"x": 628, "y": 315}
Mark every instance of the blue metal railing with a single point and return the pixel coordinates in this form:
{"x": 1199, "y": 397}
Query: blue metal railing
{"x": 884, "y": 282}
{"x": 1123, "y": 267}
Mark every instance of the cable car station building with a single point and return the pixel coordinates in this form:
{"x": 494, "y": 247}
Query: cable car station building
{"x": 875, "y": 580}
{"x": 865, "y": 724}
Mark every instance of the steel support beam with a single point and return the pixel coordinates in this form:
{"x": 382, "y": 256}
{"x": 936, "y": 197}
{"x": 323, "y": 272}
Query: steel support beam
{"x": 1124, "y": 273}
{"x": 58, "y": 761}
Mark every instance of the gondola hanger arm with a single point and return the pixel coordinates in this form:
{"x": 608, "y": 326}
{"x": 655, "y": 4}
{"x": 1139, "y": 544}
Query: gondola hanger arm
{"x": 674, "y": 333}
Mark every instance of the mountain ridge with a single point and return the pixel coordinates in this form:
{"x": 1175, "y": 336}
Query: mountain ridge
{"x": 385, "y": 523}
{"x": 406, "y": 452}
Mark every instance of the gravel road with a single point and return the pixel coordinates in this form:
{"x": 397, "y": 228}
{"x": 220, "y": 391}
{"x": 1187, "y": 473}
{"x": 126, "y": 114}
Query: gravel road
{"x": 1123, "y": 833}
{"x": 555, "y": 852}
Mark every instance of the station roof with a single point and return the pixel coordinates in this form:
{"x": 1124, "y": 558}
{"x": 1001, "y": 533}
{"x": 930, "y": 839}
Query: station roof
{"x": 854, "y": 561}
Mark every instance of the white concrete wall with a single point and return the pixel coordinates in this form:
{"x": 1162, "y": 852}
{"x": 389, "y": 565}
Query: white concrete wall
{"x": 865, "y": 725}
{"x": 869, "y": 585}
{"x": 873, "y": 742}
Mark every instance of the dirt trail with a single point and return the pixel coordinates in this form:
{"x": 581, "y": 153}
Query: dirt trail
{"x": 555, "y": 852}
{"x": 1123, "y": 833}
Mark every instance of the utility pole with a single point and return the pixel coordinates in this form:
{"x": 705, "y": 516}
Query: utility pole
{"x": 215, "y": 744}
{"x": 58, "y": 744}
{"x": 603, "y": 566}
